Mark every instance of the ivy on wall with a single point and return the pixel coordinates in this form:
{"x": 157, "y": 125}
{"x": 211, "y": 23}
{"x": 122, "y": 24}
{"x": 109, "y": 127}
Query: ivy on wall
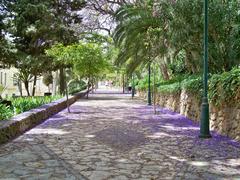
{"x": 223, "y": 87}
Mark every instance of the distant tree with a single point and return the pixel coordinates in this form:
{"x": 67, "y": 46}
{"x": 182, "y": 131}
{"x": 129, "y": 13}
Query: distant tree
{"x": 87, "y": 59}
{"x": 48, "y": 79}
{"x": 35, "y": 26}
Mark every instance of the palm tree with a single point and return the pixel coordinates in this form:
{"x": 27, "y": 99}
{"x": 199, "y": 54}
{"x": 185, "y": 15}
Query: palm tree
{"x": 140, "y": 36}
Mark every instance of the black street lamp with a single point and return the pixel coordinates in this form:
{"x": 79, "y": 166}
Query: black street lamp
{"x": 204, "y": 119}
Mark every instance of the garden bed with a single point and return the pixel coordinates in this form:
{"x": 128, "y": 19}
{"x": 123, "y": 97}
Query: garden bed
{"x": 17, "y": 125}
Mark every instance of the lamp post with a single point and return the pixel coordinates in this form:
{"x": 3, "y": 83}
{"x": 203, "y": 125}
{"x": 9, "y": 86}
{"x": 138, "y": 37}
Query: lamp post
{"x": 133, "y": 86}
{"x": 149, "y": 84}
{"x": 204, "y": 119}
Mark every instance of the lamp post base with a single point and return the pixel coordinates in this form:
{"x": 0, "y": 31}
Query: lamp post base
{"x": 133, "y": 93}
{"x": 203, "y": 136}
{"x": 149, "y": 98}
{"x": 204, "y": 120}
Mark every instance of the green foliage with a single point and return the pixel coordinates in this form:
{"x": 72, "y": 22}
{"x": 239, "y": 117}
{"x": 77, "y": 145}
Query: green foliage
{"x": 194, "y": 84}
{"x": 23, "y": 104}
{"x": 5, "y": 112}
{"x": 87, "y": 59}
{"x": 177, "y": 66}
{"x": 173, "y": 85}
{"x": 142, "y": 84}
{"x": 76, "y": 86}
{"x": 1, "y": 89}
{"x": 170, "y": 88}
{"x": 165, "y": 29}
{"x": 131, "y": 36}
{"x": 33, "y": 27}
{"x": 225, "y": 87}
{"x": 47, "y": 78}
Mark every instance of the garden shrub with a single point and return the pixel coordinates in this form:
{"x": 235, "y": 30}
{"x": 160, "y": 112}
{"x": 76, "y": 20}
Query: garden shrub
{"x": 77, "y": 86}
{"x": 193, "y": 84}
{"x": 5, "y": 112}
{"x": 170, "y": 88}
{"x": 23, "y": 104}
{"x": 142, "y": 84}
{"x": 223, "y": 87}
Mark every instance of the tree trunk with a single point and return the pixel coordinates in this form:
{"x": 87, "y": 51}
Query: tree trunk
{"x": 93, "y": 86}
{"x": 26, "y": 84}
{"x": 88, "y": 87}
{"x": 154, "y": 90}
{"x": 34, "y": 85}
{"x": 164, "y": 71}
{"x": 20, "y": 87}
{"x": 55, "y": 83}
{"x": 66, "y": 90}
{"x": 190, "y": 62}
{"x": 62, "y": 81}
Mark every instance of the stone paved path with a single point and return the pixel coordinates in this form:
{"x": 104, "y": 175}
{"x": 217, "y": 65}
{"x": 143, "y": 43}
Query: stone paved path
{"x": 111, "y": 136}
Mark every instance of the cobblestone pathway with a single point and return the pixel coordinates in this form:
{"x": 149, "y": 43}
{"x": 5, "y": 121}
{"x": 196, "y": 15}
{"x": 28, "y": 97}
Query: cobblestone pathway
{"x": 111, "y": 136}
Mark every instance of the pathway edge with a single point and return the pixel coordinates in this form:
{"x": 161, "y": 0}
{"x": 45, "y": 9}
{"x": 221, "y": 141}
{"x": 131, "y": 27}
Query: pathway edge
{"x": 21, "y": 123}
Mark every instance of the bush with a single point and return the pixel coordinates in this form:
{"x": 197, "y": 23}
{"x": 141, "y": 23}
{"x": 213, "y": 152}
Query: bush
{"x": 193, "y": 84}
{"x": 23, "y": 104}
{"x": 5, "y": 112}
{"x": 170, "y": 88}
{"x": 77, "y": 86}
{"x": 47, "y": 79}
{"x": 164, "y": 86}
{"x": 173, "y": 85}
{"x": 225, "y": 87}
{"x": 142, "y": 84}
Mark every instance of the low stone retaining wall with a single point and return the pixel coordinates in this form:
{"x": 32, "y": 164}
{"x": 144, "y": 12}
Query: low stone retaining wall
{"x": 17, "y": 125}
{"x": 224, "y": 119}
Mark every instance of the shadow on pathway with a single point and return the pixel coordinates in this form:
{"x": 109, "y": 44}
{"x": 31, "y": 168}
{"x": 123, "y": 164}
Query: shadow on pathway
{"x": 111, "y": 136}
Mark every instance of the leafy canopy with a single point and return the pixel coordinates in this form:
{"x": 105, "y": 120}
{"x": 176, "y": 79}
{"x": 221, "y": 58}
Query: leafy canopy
{"x": 87, "y": 59}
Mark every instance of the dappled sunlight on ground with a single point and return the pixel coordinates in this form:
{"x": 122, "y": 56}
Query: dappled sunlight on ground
{"x": 161, "y": 135}
{"x": 111, "y": 136}
{"x": 47, "y": 131}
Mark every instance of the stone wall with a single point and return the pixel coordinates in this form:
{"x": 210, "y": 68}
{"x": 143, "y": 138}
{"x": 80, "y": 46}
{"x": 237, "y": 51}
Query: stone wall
{"x": 225, "y": 119}
{"x": 17, "y": 125}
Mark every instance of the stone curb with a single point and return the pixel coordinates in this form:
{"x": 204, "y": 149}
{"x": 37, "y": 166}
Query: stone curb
{"x": 19, "y": 124}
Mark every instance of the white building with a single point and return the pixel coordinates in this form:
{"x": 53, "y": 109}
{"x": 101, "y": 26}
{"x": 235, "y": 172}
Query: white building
{"x": 8, "y": 81}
